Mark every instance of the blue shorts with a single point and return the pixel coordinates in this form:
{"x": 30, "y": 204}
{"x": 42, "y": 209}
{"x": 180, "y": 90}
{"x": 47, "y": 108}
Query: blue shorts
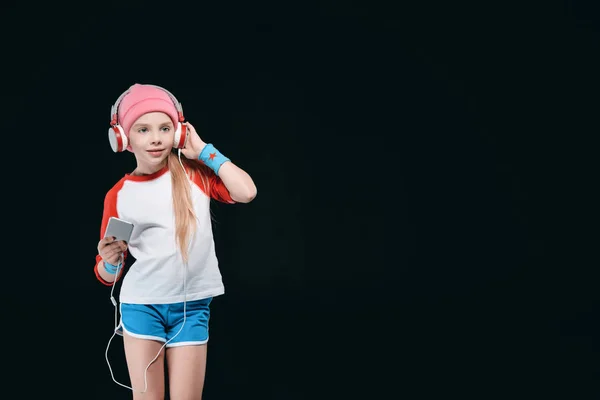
{"x": 164, "y": 322}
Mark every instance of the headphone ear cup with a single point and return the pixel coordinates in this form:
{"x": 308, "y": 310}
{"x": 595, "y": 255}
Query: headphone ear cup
{"x": 118, "y": 140}
{"x": 180, "y": 136}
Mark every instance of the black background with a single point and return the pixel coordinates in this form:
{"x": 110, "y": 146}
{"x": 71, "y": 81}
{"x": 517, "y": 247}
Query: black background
{"x": 425, "y": 173}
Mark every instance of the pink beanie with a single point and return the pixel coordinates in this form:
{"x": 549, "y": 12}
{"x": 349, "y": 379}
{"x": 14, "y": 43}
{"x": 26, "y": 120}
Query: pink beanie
{"x": 143, "y": 99}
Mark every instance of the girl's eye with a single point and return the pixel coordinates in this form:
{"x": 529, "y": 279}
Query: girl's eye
{"x": 164, "y": 129}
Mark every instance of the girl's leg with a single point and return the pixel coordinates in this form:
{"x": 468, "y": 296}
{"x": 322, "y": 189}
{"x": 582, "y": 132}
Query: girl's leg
{"x": 139, "y": 353}
{"x": 187, "y": 368}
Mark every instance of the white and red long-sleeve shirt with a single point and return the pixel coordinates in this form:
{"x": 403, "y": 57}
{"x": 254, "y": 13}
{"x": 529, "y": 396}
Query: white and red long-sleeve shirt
{"x": 157, "y": 275}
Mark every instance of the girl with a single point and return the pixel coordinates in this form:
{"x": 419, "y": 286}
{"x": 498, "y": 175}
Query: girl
{"x": 166, "y": 293}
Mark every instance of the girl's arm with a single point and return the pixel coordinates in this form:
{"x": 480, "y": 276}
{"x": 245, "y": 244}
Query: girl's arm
{"x": 101, "y": 271}
{"x": 110, "y": 210}
{"x": 240, "y": 185}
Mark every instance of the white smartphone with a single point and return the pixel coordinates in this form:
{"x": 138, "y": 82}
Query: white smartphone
{"x": 118, "y": 228}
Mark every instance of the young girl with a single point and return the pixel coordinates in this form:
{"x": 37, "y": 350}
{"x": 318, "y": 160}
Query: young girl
{"x": 166, "y": 293}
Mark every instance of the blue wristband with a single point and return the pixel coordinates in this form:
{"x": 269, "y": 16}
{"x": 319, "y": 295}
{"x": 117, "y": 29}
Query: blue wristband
{"x": 212, "y": 158}
{"x": 111, "y": 269}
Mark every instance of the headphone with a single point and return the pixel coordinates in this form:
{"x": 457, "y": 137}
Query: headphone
{"x": 118, "y": 138}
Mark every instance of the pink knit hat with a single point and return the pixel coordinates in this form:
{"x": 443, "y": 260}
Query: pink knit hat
{"x": 143, "y": 99}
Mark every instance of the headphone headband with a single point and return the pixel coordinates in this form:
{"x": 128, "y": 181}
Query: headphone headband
{"x": 114, "y": 109}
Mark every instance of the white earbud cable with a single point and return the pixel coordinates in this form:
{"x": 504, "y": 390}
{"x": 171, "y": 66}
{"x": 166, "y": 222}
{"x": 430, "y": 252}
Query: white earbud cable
{"x": 117, "y": 324}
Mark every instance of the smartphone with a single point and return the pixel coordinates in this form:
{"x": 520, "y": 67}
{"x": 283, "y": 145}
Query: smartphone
{"x": 118, "y": 228}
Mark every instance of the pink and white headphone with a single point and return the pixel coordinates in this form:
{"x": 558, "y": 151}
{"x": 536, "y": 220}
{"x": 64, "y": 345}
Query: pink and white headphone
{"x": 118, "y": 139}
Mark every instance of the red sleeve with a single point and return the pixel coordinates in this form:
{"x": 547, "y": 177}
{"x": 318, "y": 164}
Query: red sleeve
{"x": 216, "y": 188}
{"x": 110, "y": 210}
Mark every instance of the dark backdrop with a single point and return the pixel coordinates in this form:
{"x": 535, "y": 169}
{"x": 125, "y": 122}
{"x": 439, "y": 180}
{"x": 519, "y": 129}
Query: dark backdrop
{"x": 424, "y": 174}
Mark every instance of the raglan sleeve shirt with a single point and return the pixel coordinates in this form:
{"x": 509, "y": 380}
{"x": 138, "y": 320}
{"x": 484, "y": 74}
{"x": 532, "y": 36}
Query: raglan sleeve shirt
{"x": 216, "y": 190}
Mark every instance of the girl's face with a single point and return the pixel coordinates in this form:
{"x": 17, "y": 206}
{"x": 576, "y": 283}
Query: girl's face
{"x": 151, "y": 139}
